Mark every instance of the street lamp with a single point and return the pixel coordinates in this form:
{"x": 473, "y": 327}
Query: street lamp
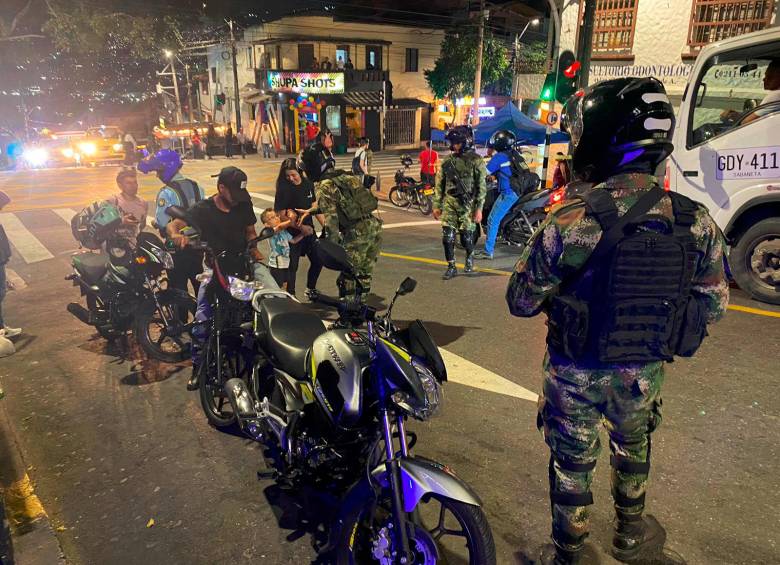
{"x": 534, "y": 22}
{"x": 169, "y": 53}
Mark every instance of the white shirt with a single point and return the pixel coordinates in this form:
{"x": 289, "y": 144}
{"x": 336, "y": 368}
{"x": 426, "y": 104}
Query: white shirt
{"x": 772, "y": 96}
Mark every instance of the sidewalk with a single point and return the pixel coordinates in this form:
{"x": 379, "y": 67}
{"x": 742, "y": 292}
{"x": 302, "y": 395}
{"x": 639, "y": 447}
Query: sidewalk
{"x": 26, "y": 536}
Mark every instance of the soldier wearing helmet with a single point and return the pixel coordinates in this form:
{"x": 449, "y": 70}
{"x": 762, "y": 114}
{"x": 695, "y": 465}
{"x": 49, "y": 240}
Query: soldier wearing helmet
{"x": 629, "y": 276}
{"x": 460, "y": 194}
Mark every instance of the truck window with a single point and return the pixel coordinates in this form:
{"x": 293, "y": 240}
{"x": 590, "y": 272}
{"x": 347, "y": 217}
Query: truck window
{"x": 730, "y": 87}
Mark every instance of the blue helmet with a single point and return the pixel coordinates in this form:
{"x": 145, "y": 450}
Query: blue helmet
{"x": 166, "y": 162}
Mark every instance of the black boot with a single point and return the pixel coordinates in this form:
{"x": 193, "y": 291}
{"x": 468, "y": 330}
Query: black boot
{"x": 448, "y": 241}
{"x": 554, "y": 555}
{"x": 451, "y": 271}
{"x": 192, "y": 384}
{"x": 641, "y": 541}
{"x": 467, "y": 240}
{"x": 469, "y": 263}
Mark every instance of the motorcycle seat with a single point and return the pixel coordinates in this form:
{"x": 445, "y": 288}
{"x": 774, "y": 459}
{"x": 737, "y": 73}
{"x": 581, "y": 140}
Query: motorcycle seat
{"x": 532, "y": 195}
{"x": 292, "y": 328}
{"x": 91, "y": 266}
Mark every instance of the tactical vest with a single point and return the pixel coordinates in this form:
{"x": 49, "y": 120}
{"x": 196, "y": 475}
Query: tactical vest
{"x": 631, "y": 302}
{"x": 357, "y": 203}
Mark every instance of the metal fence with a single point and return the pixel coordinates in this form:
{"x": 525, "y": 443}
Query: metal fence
{"x": 399, "y": 126}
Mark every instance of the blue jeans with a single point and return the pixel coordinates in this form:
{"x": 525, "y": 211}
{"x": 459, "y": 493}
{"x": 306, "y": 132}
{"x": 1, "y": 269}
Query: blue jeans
{"x": 266, "y": 150}
{"x": 500, "y": 209}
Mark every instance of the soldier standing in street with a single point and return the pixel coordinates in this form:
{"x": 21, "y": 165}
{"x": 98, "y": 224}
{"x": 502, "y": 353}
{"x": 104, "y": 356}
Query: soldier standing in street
{"x": 348, "y": 209}
{"x": 629, "y": 276}
{"x": 460, "y": 195}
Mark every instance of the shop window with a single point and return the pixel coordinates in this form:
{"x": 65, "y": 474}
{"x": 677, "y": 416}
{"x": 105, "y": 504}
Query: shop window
{"x": 412, "y": 57}
{"x": 342, "y": 53}
{"x": 714, "y": 20}
{"x": 613, "y": 26}
{"x": 333, "y": 119}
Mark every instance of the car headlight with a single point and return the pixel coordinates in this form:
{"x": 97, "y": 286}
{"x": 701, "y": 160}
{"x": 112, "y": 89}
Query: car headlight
{"x": 68, "y": 152}
{"x": 117, "y": 147}
{"x": 427, "y": 407}
{"x": 88, "y": 148}
{"x": 243, "y": 290}
{"x": 36, "y": 156}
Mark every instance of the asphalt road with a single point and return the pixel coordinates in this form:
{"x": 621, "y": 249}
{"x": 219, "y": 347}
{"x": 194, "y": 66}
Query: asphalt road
{"x": 114, "y": 441}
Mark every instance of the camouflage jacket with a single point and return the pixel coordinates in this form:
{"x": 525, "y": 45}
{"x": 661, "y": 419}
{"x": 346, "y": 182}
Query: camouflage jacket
{"x": 471, "y": 170}
{"x": 333, "y": 202}
{"x": 567, "y": 237}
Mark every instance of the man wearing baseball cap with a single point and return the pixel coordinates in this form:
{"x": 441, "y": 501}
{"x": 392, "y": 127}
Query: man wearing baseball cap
{"x": 226, "y": 221}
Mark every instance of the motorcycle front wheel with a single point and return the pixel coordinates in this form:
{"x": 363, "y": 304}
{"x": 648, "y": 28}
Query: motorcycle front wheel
{"x": 445, "y": 531}
{"x": 164, "y": 333}
{"x": 233, "y": 359}
{"x": 398, "y": 198}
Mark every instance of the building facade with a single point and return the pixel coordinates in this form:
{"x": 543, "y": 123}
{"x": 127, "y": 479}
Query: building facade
{"x": 660, "y": 38}
{"x": 358, "y": 79}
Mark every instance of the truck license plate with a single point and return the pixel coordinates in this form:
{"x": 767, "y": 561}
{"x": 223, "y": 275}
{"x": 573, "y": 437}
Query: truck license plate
{"x": 749, "y": 163}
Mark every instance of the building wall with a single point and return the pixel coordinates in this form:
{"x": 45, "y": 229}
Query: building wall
{"x": 660, "y": 43}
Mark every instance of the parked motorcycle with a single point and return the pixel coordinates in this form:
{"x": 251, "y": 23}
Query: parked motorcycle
{"x": 123, "y": 291}
{"x": 410, "y": 192}
{"x": 331, "y": 408}
{"x": 523, "y": 219}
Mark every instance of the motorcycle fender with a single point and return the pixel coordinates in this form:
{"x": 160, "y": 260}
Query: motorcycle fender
{"x": 420, "y": 476}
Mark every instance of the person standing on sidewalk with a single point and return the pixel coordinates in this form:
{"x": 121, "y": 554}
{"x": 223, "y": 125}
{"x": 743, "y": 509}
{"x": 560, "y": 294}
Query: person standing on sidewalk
{"x": 229, "y": 142}
{"x": 241, "y": 140}
{"x": 5, "y": 256}
{"x": 429, "y": 163}
{"x": 211, "y": 141}
{"x": 266, "y": 139}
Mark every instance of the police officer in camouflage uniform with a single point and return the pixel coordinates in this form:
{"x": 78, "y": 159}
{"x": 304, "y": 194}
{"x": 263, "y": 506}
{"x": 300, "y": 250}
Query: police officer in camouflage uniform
{"x": 460, "y": 195}
{"x": 628, "y": 276}
{"x": 347, "y": 206}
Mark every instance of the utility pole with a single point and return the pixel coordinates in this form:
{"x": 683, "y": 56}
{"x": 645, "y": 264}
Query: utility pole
{"x": 478, "y": 73}
{"x": 235, "y": 77}
{"x": 556, "y": 18}
{"x": 176, "y": 91}
{"x": 189, "y": 92}
{"x": 585, "y": 48}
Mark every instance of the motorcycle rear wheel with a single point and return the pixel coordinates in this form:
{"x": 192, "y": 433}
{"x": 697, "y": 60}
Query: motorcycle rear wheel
{"x": 426, "y": 205}
{"x": 398, "y": 198}
{"x": 162, "y": 340}
{"x": 361, "y": 529}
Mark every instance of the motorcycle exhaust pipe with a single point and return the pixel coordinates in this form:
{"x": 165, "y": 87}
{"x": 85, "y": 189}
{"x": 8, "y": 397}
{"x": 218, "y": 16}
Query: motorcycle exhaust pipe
{"x": 240, "y": 399}
{"x": 255, "y": 423}
{"x": 79, "y": 312}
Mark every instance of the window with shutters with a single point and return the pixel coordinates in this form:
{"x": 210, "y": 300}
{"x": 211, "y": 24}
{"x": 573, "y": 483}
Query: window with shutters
{"x": 412, "y": 57}
{"x": 613, "y": 27}
{"x": 713, "y": 20}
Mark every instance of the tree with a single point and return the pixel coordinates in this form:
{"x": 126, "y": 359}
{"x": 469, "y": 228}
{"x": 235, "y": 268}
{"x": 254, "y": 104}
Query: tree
{"x": 532, "y": 58}
{"x": 11, "y": 25}
{"x": 453, "y": 72}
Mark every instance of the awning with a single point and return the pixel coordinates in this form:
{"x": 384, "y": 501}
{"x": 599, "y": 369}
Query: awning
{"x": 408, "y": 103}
{"x": 371, "y": 100}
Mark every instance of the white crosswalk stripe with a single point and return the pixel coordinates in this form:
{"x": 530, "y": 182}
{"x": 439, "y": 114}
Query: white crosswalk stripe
{"x": 28, "y": 246}
{"x": 65, "y": 213}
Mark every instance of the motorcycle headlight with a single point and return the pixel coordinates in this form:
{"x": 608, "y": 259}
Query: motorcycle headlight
{"x": 427, "y": 407}
{"x": 243, "y": 290}
{"x": 163, "y": 257}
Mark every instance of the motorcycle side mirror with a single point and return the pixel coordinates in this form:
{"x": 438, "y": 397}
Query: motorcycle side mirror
{"x": 407, "y": 286}
{"x": 333, "y": 256}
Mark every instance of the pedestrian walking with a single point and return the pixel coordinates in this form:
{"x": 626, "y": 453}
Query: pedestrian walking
{"x": 242, "y": 141}
{"x": 6, "y": 332}
{"x": 296, "y": 192}
{"x": 229, "y": 142}
{"x": 211, "y": 141}
{"x": 629, "y": 276}
{"x": 459, "y": 197}
{"x": 266, "y": 140}
{"x": 429, "y": 164}
{"x": 360, "y": 160}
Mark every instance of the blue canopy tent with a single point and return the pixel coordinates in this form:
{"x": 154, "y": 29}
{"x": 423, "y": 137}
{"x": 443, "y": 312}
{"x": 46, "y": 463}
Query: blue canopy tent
{"x": 528, "y": 131}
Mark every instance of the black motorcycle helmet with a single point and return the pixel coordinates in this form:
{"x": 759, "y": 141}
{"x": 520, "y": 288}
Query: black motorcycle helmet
{"x": 619, "y": 126}
{"x": 463, "y": 135}
{"x": 316, "y": 160}
{"x": 502, "y": 140}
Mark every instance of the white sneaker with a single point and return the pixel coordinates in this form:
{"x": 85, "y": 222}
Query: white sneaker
{"x": 10, "y": 332}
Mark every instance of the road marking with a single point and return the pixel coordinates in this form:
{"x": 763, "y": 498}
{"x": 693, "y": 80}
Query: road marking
{"x": 463, "y": 371}
{"x": 410, "y": 224}
{"x": 756, "y": 311}
{"x": 65, "y": 213}
{"x": 261, "y": 196}
{"x": 258, "y": 211}
{"x": 28, "y": 246}
{"x": 13, "y": 277}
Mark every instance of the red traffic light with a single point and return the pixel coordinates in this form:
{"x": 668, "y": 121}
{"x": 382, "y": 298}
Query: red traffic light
{"x": 571, "y": 70}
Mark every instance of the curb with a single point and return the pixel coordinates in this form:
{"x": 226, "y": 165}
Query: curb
{"x": 26, "y": 536}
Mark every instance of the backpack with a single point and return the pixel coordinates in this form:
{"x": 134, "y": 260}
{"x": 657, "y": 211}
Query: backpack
{"x": 357, "y": 203}
{"x": 632, "y": 302}
{"x": 522, "y": 180}
{"x": 185, "y": 193}
{"x": 95, "y": 223}
{"x": 359, "y": 155}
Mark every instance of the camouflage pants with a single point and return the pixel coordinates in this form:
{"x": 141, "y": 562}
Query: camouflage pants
{"x": 575, "y": 404}
{"x": 362, "y": 244}
{"x": 457, "y": 215}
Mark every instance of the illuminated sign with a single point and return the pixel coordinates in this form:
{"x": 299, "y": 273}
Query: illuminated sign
{"x": 469, "y": 101}
{"x": 487, "y": 111}
{"x": 330, "y": 83}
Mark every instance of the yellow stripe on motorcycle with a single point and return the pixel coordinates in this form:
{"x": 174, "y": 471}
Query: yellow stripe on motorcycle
{"x": 403, "y": 354}
{"x": 307, "y": 393}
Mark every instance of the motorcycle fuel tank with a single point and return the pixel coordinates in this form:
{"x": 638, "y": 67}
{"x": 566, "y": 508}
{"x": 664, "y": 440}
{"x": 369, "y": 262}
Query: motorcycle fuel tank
{"x": 338, "y": 358}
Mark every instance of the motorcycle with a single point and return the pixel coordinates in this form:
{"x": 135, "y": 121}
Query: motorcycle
{"x": 410, "y": 192}
{"x": 331, "y": 408}
{"x": 123, "y": 292}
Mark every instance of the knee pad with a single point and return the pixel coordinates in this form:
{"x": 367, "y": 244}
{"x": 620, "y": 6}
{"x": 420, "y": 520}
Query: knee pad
{"x": 467, "y": 240}
{"x": 448, "y": 234}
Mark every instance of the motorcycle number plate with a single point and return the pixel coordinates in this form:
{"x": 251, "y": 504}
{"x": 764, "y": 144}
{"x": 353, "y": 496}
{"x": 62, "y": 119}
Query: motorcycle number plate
{"x": 428, "y": 191}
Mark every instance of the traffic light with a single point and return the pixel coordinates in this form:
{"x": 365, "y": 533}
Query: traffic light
{"x": 566, "y": 78}
{"x": 220, "y": 99}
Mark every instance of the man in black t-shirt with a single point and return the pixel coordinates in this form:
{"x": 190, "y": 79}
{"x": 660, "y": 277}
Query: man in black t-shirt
{"x": 226, "y": 221}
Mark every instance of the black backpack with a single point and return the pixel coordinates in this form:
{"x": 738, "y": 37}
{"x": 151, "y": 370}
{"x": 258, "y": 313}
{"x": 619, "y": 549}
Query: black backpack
{"x": 637, "y": 306}
{"x": 522, "y": 180}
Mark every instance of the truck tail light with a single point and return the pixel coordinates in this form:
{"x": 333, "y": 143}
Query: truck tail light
{"x": 668, "y": 177}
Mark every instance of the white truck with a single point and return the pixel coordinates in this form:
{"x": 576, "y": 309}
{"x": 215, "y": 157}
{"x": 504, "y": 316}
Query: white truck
{"x": 727, "y": 153}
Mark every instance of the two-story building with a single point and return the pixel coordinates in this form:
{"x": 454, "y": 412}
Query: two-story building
{"x": 357, "y": 79}
{"x": 660, "y": 38}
